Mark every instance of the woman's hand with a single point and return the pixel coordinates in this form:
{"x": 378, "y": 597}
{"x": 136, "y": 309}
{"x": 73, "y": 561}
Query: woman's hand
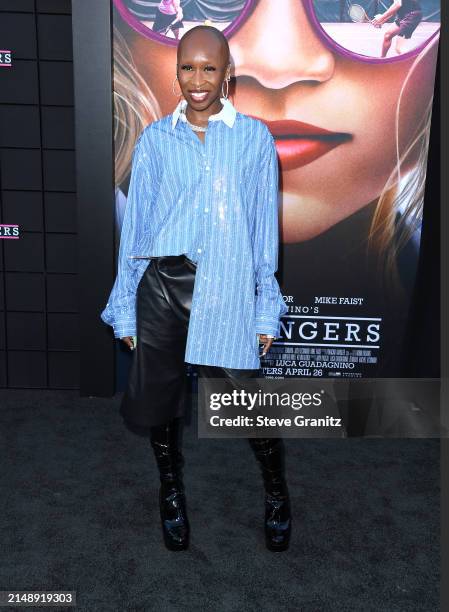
{"x": 267, "y": 341}
{"x": 129, "y": 341}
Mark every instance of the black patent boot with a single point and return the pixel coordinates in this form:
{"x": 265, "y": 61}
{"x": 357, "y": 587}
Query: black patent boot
{"x": 269, "y": 453}
{"x": 175, "y": 526}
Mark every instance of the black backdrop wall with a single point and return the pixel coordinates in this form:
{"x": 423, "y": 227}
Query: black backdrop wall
{"x": 39, "y": 320}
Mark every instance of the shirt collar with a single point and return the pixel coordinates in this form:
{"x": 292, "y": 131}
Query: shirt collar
{"x": 227, "y": 113}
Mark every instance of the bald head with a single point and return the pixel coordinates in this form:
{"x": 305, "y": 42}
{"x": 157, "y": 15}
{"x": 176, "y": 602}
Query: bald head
{"x": 202, "y": 68}
{"x": 207, "y": 37}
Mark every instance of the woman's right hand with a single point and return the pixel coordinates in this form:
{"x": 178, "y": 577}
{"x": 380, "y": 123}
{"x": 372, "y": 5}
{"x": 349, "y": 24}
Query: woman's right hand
{"x": 128, "y": 340}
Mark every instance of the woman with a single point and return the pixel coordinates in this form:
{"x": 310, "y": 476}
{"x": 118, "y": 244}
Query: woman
{"x": 199, "y": 238}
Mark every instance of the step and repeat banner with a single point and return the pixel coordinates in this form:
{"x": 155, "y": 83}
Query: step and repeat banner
{"x": 346, "y": 90}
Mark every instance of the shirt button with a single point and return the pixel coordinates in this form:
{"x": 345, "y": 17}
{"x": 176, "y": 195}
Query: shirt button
{"x": 198, "y": 250}
{"x": 207, "y": 168}
{"x": 206, "y": 210}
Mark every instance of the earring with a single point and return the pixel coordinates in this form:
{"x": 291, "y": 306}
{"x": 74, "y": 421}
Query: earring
{"x": 225, "y": 95}
{"x": 173, "y": 88}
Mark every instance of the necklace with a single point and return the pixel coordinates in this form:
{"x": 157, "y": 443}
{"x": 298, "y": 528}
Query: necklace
{"x": 195, "y": 128}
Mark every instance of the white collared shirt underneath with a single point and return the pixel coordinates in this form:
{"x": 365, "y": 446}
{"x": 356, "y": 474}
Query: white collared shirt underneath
{"x": 226, "y": 114}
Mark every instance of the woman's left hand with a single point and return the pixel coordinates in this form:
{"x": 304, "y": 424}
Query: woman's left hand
{"x": 266, "y": 341}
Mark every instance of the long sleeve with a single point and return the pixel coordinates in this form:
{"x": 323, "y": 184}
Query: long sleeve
{"x": 269, "y": 303}
{"x": 120, "y": 311}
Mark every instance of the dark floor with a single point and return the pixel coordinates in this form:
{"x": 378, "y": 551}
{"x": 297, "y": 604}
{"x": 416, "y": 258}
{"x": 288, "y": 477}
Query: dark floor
{"x": 80, "y": 513}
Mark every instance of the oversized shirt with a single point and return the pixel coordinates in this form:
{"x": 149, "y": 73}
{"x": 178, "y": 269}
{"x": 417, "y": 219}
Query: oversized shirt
{"x": 217, "y": 203}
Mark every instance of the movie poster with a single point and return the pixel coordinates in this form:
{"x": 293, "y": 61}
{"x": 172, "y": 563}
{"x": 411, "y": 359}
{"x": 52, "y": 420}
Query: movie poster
{"x": 346, "y": 90}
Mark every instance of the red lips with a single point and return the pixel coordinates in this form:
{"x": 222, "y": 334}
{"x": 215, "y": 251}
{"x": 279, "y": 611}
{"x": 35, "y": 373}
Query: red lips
{"x": 299, "y": 143}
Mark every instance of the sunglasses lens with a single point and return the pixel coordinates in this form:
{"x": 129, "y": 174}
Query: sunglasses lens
{"x": 171, "y": 19}
{"x": 357, "y": 27}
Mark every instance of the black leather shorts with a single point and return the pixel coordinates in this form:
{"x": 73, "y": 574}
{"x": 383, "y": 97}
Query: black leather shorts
{"x": 157, "y": 383}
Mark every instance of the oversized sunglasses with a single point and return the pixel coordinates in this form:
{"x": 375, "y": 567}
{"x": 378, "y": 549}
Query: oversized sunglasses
{"x": 343, "y": 26}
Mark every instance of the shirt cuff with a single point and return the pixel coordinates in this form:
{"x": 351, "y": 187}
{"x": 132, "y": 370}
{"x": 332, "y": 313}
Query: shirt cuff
{"x": 122, "y": 332}
{"x": 269, "y": 326}
{"x": 125, "y": 326}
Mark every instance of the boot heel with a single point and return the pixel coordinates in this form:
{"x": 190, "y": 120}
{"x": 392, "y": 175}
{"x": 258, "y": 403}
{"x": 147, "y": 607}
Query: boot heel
{"x": 277, "y": 523}
{"x": 174, "y": 523}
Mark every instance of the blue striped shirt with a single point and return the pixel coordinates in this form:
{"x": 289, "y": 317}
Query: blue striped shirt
{"x": 216, "y": 202}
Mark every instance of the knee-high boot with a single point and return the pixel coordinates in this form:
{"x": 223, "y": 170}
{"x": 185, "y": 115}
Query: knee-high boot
{"x": 166, "y": 445}
{"x": 270, "y": 454}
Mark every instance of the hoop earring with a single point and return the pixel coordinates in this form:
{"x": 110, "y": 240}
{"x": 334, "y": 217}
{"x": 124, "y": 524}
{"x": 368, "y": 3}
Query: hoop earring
{"x": 225, "y": 95}
{"x": 173, "y": 88}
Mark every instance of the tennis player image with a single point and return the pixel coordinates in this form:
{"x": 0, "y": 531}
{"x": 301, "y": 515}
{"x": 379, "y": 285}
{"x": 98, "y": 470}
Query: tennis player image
{"x": 408, "y": 16}
{"x": 164, "y": 18}
{"x": 168, "y": 17}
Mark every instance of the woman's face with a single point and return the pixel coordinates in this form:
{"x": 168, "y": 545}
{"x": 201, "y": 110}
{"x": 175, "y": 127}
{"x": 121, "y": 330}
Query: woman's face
{"x": 202, "y": 67}
{"x": 284, "y": 71}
